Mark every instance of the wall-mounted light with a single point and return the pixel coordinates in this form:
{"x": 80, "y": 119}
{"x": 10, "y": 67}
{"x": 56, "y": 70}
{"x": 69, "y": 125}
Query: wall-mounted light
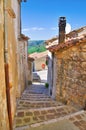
{"x": 23, "y": 0}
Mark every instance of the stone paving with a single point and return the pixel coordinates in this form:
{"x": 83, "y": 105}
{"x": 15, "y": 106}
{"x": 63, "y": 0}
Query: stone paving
{"x": 37, "y": 111}
{"x": 79, "y": 121}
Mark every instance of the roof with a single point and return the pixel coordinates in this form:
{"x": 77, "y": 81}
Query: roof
{"x": 68, "y": 44}
{"x": 76, "y": 31}
{"x": 71, "y": 35}
{"x": 51, "y": 40}
{"x": 52, "y": 44}
{"x": 30, "y": 59}
{"x": 38, "y": 55}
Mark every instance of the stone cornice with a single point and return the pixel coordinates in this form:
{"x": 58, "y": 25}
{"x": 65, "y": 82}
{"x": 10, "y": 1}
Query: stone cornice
{"x": 30, "y": 59}
{"x": 11, "y": 12}
{"x": 23, "y": 37}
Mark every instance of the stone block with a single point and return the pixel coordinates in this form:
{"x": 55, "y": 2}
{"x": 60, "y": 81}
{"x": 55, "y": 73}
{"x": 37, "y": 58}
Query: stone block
{"x": 36, "y": 113}
{"x": 26, "y": 120}
{"x": 20, "y": 114}
{"x": 50, "y": 117}
{"x": 41, "y": 118}
{"x": 28, "y": 113}
{"x": 43, "y": 112}
{"x": 18, "y": 121}
{"x": 35, "y": 118}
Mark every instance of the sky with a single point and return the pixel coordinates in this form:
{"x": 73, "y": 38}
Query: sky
{"x": 40, "y": 17}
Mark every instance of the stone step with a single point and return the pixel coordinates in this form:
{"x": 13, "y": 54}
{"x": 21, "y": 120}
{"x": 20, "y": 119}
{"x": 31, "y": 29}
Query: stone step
{"x": 41, "y": 104}
{"x": 36, "y": 90}
{"x": 21, "y": 101}
{"x": 76, "y": 118}
{"x": 36, "y": 98}
{"x": 35, "y": 95}
{"x": 39, "y": 89}
{"x": 32, "y": 116}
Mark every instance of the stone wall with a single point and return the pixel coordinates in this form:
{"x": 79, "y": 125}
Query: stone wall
{"x": 16, "y": 8}
{"x": 21, "y": 51}
{"x": 12, "y": 61}
{"x": 9, "y": 38}
{"x": 10, "y": 54}
{"x": 4, "y": 123}
{"x": 38, "y": 63}
{"x": 23, "y": 66}
{"x": 55, "y": 77}
{"x": 71, "y": 75}
{"x": 30, "y": 70}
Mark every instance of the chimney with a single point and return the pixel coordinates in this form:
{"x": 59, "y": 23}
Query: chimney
{"x": 62, "y": 25}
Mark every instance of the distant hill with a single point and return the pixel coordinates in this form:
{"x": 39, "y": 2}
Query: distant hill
{"x": 36, "y": 46}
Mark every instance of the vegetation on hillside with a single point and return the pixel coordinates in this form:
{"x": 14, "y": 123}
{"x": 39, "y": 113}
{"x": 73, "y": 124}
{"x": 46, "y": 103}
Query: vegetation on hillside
{"x": 36, "y": 46}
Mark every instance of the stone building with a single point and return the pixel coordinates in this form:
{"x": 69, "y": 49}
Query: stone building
{"x": 51, "y": 57}
{"x": 69, "y": 70}
{"x": 22, "y": 64}
{"x": 10, "y": 32}
{"x": 39, "y": 60}
{"x": 4, "y": 122}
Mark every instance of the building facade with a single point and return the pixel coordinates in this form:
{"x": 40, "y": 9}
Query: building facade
{"x": 71, "y": 71}
{"x": 59, "y": 63}
{"x": 22, "y": 64}
{"x": 4, "y": 122}
{"x": 10, "y": 72}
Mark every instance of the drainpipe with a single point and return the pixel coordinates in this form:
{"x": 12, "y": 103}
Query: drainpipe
{"x": 7, "y": 66}
{"x": 52, "y": 70}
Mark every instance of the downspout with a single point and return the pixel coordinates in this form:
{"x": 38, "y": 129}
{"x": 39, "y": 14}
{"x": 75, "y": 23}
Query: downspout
{"x": 52, "y": 70}
{"x": 7, "y": 66}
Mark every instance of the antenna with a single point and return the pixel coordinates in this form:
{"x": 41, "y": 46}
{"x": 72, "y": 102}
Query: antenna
{"x": 68, "y": 28}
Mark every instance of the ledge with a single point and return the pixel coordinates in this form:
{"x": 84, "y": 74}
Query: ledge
{"x": 11, "y": 12}
{"x": 23, "y": 37}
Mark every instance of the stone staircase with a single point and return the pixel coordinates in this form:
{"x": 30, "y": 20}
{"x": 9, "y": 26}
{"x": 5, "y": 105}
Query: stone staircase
{"x": 36, "y": 107}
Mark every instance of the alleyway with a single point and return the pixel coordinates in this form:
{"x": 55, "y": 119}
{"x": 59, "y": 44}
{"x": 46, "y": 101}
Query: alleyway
{"x": 37, "y": 111}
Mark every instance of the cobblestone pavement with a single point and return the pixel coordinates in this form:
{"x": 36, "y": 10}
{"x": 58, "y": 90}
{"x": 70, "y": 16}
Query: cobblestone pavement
{"x": 37, "y": 111}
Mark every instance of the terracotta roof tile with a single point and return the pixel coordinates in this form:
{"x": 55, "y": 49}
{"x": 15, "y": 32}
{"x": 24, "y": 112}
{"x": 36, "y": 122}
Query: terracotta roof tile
{"x": 69, "y": 36}
{"x": 38, "y": 55}
{"x": 76, "y": 31}
{"x": 30, "y": 59}
{"x": 67, "y": 44}
{"x": 51, "y": 40}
